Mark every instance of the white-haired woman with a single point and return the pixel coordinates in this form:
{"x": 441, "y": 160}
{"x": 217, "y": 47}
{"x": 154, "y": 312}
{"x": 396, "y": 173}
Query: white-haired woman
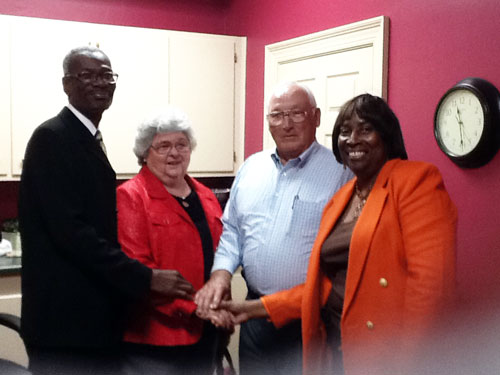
{"x": 168, "y": 220}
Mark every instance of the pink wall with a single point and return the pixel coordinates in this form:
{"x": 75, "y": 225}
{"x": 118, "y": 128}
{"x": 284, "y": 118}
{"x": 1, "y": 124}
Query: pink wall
{"x": 205, "y": 16}
{"x": 433, "y": 44}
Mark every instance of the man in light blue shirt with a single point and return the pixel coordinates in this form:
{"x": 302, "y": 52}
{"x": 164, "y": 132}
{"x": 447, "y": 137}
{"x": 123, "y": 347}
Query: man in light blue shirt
{"x": 270, "y": 224}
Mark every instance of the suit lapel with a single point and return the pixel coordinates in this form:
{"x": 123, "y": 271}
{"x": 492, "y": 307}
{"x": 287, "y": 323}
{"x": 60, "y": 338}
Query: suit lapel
{"x": 363, "y": 232}
{"x": 83, "y": 136}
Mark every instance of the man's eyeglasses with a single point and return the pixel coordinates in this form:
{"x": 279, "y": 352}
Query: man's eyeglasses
{"x": 277, "y": 118}
{"x": 108, "y": 78}
{"x": 165, "y": 148}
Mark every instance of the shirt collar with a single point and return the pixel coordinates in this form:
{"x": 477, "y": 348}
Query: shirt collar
{"x": 85, "y": 121}
{"x": 300, "y": 160}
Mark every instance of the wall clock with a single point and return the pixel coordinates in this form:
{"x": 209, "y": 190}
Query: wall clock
{"x": 467, "y": 122}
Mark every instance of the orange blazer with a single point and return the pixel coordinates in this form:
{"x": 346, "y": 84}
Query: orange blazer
{"x": 400, "y": 274}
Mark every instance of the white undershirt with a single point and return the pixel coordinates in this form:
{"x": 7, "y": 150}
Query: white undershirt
{"x": 85, "y": 121}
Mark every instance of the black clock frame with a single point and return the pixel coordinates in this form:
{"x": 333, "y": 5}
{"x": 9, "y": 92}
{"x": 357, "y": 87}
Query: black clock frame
{"x": 489, "y": 143}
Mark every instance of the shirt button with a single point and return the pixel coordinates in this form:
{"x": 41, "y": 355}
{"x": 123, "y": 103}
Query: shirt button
{"x": 369, "y": 325}
{"x": 383, "y": 282}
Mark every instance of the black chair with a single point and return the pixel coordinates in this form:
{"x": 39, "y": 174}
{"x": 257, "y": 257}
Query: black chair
{"x": 8, "y": 367}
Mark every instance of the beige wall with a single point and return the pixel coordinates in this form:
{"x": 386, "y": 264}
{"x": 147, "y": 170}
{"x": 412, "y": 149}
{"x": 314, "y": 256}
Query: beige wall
{"x": 11, "y": 345}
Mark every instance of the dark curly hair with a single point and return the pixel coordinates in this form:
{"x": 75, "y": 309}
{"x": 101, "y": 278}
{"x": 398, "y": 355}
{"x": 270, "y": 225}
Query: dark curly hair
{"x": 375, "y": 111}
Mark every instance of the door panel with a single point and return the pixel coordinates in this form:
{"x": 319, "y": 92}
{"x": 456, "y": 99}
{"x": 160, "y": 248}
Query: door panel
{"x": 333, "y": 79}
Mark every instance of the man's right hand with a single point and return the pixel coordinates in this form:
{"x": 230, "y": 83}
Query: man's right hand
{"x": 171, "y": 284}
{"x": 216, "y": 289}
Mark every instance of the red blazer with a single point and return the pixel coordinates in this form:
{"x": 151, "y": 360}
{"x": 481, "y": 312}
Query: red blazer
{"x": 400, "y": 274}
{"x": 154, "y": 229}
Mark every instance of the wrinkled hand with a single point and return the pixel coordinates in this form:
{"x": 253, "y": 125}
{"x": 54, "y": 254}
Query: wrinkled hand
{"x": 219, "y": 318}
{"x": 216, "y": 289}
{"x": 245, "y": 310}
{"x": 171, "y": 284}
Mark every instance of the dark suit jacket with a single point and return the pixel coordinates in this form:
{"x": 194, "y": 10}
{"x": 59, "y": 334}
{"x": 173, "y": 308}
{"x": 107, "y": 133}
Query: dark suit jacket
{"x": 75, "y": 277}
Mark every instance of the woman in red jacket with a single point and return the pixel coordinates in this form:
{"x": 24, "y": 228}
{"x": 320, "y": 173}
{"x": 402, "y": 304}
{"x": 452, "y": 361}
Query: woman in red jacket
{"x": 168, "y": 220}
{"x": 382, "y": 268}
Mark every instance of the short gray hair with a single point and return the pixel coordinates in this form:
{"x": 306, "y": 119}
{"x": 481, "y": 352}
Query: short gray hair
{"x": 285, "y": 86}
{"x": 79, "y": 51}
{"x": 168, "y": 120}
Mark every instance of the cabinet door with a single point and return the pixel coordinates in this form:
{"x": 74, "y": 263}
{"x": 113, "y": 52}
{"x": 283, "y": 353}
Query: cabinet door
{"x": 4, "y": 97}
{"x": 140, "y": 57}
{"x": 38, "y": 47}
{"x": 202, "y": 79}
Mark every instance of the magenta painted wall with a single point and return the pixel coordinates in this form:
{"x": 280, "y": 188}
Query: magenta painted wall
{"x": 205, "y": 16}
{"x": 433, "y": 44}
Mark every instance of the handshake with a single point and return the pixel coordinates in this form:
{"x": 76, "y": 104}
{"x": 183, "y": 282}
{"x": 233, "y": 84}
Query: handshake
{"x": 213, "y": 300}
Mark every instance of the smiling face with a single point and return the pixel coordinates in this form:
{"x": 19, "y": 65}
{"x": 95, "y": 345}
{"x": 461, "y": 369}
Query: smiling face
{"x": 171, "y": 166}
{"x": 91, "y": 98}
{"x": 292, "y": 138}
{"x": 361, "y": 148}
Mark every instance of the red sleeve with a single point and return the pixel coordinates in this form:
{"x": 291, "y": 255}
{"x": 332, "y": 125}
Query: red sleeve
{"x": 134, "y": 234}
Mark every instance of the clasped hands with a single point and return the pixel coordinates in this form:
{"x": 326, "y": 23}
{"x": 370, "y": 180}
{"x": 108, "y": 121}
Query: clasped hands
{"x": 213, "y": 300}
{"x": 215, "y": 304}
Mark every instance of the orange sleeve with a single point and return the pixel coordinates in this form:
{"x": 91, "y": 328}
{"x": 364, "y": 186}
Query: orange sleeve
{"x": 284, "y": 306}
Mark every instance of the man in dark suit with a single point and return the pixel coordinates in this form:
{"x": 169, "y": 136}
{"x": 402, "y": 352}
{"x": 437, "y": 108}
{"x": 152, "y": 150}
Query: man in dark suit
{"x": 76, "y": 281}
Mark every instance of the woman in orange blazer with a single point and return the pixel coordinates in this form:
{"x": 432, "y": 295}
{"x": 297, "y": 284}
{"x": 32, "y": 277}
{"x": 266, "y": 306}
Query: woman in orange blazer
{"x": 168, "y": 220}
{"x": 382, "y": 269}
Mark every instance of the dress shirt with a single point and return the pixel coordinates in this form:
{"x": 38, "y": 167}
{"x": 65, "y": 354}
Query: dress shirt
{"x": 85, "y": 121}
{"x": 273, "y": 215}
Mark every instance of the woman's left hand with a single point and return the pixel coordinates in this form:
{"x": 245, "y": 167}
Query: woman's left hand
{"x": 219, "y": 318}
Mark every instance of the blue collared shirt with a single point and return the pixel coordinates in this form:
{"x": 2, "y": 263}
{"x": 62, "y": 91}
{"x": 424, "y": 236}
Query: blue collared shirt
{"x": 273, "y": 215}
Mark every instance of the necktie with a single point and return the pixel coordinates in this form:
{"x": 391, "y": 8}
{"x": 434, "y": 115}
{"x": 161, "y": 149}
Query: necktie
{"x": 98, "y": 137}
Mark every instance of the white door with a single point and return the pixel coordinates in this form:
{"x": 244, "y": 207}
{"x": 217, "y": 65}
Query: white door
{"x": 336, "y": 65}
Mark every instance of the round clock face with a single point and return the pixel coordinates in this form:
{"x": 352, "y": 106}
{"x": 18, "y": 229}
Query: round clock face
{"x": 460, "y": 122}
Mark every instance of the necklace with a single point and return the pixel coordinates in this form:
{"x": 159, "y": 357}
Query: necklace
{"x": 184, "y": 201}
{"x": 362, "y": 200}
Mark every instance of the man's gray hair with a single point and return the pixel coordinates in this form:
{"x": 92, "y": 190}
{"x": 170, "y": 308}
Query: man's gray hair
{"x": 168, "y": 120}
{"x": 78, "y": 51}
{"x": 283, "y": 87}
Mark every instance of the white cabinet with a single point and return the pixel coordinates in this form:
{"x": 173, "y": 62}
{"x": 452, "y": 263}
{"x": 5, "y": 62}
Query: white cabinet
{"x": 196, "y": 72}
{"x": 206, "y": 92}
{"x": 4, "y": 102}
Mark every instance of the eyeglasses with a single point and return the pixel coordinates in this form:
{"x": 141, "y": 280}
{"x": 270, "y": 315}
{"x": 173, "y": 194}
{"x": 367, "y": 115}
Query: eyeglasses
{"x": 108, "y": 78}
{"x": 277, "y": 118}
{"x": 165, "y": 148}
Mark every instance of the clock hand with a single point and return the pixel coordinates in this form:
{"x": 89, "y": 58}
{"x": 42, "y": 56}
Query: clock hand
{"x": 461, "y": 128}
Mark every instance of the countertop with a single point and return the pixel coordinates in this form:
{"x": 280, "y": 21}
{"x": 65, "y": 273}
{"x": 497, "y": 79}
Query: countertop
{"x": 10, "y": 265}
